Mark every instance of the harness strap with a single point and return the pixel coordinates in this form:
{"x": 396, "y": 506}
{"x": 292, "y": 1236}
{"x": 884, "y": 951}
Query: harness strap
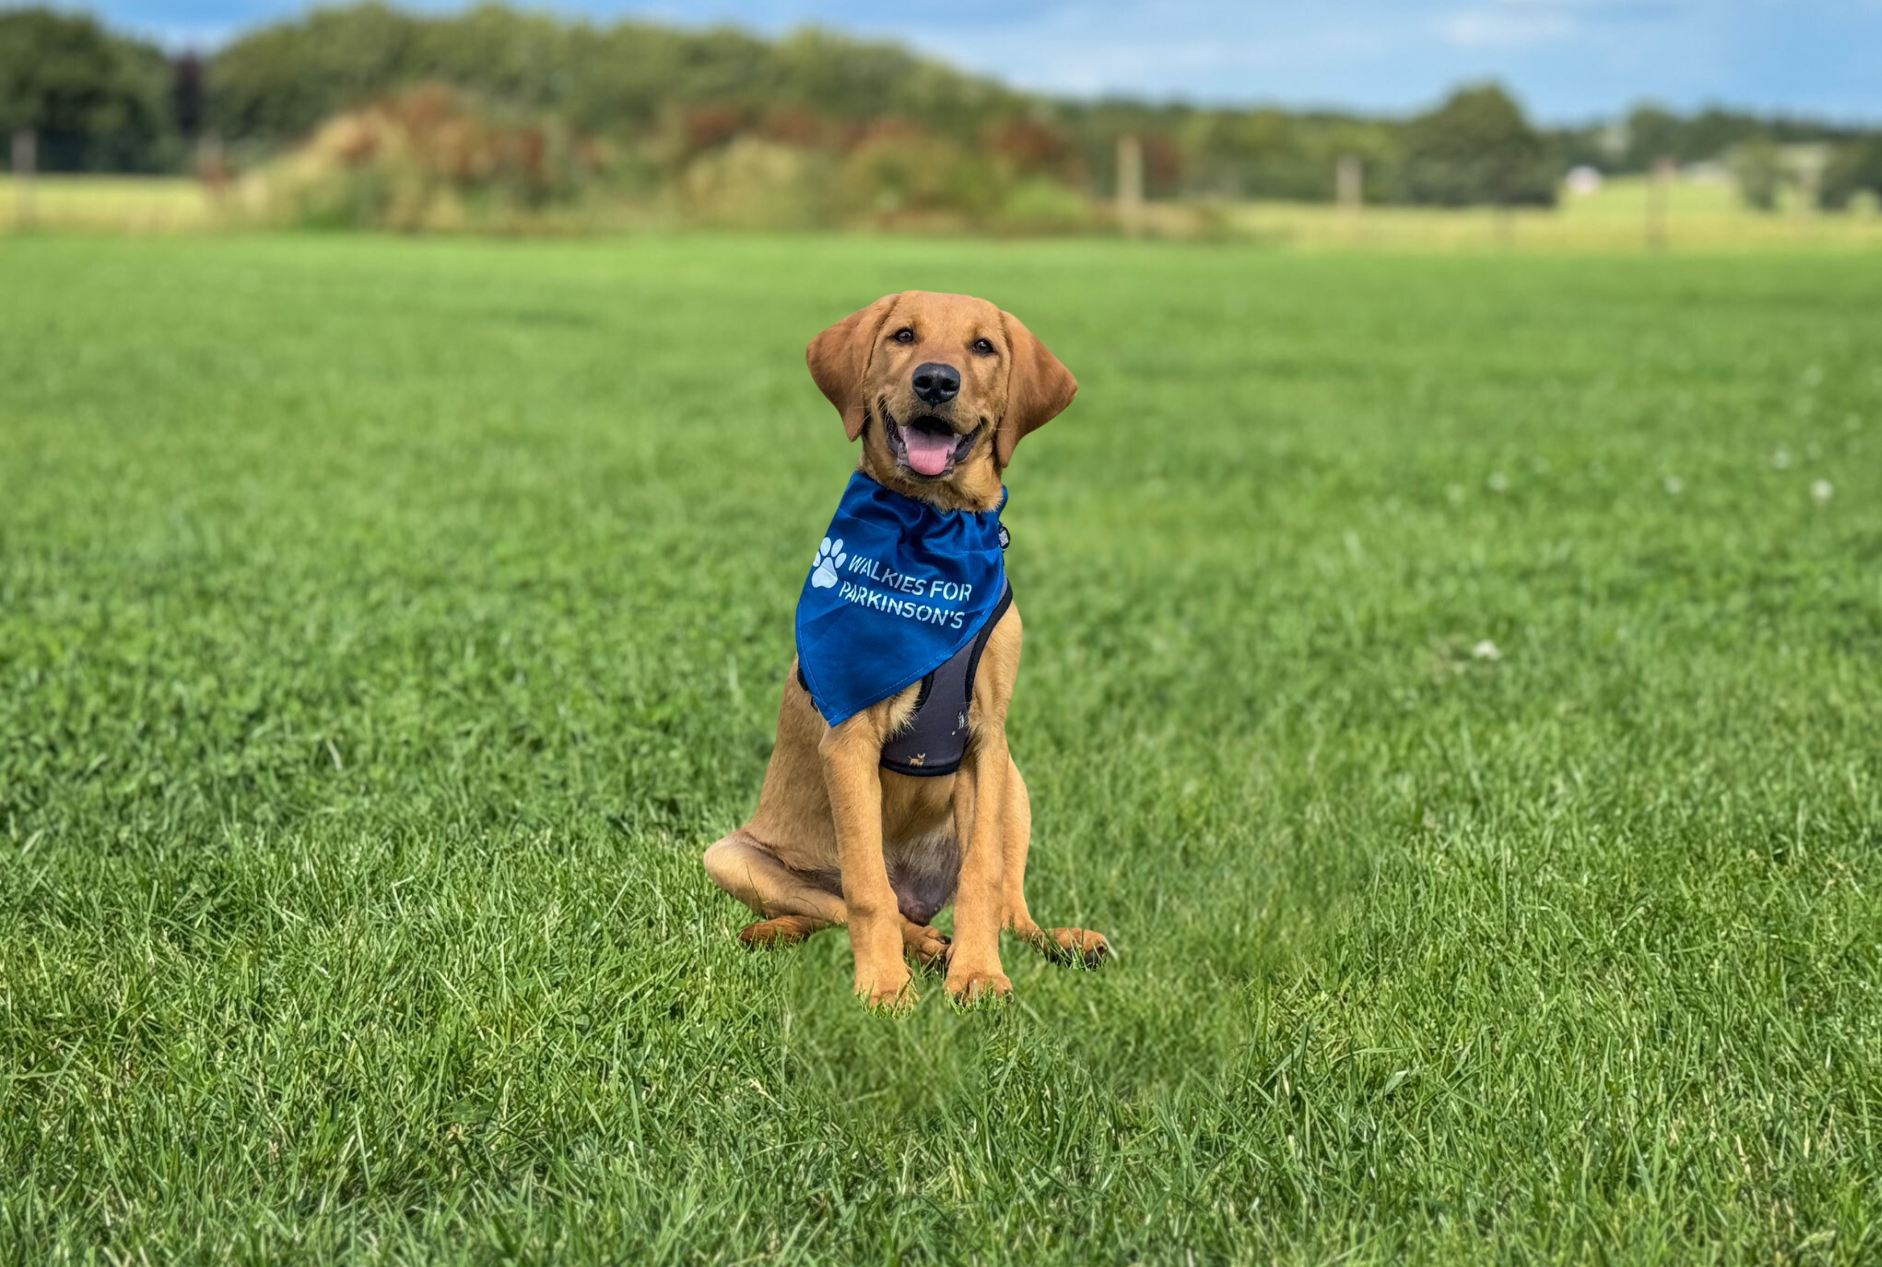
{"x": 934, "y": 739}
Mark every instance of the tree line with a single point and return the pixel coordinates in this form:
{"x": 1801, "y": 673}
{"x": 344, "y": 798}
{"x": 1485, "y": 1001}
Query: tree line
{"x": 663, "y": 99}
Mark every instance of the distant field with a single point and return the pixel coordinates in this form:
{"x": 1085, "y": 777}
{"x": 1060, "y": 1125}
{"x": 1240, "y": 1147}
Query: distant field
{"x": 1451, "y": 680}
{"x": 135, "y": 204}
{"x": 1699, "y": 217}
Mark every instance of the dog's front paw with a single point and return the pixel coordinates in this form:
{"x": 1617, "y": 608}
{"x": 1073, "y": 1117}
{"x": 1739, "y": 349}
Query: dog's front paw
{"x": 970, "y": 986}
{"x": 889, "y": 990}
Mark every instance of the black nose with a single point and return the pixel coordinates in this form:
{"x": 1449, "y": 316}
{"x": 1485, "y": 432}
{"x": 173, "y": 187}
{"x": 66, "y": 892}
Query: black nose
{"x": 937, "y": 383}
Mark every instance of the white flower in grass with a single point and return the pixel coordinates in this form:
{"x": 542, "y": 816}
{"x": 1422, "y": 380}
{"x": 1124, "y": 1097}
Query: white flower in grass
{"x": 1674, "y": 485}
{"x": 1781, "y": 458}
{"x": 1497, "y": 483}
{"x": 1485, "y": 650}
{"x": 1821, "y": 491}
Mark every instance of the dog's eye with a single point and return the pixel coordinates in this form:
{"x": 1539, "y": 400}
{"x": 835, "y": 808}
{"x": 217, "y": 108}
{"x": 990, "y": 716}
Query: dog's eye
{"x": 983, "y": 346}
{"x": 905, "y": 336}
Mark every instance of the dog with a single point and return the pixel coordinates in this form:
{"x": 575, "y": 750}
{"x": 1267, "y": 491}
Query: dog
{"x": 940, "y": 389}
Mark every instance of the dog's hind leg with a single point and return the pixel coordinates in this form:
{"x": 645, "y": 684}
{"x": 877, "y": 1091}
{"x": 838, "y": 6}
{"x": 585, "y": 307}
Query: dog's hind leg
{"x": 793, "y": 905}
{"x": 784, "y": 930}
{"x": 920, "y": 942}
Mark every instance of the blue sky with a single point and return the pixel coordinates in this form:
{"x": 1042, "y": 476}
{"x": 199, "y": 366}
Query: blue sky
{"x": 1567, "y": 59}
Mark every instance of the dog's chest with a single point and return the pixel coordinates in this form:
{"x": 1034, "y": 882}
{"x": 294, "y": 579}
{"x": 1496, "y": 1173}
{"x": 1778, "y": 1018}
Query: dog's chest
{"x": 920, "y": 847}
{"x": 924, "y": 871}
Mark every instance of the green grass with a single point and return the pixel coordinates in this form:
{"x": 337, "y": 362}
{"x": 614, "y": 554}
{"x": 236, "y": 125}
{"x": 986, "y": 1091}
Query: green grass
{"x": 386, "y": 626}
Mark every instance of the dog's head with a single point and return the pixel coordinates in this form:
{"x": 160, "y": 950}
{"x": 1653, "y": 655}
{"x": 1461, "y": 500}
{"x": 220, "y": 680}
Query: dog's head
{"x": 941, "y": 388}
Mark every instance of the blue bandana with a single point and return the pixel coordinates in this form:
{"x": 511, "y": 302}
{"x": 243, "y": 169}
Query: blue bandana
{"x": 897, "y": 587}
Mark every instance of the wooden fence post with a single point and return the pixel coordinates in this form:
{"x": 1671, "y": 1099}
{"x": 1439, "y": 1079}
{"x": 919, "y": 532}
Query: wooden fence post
{"x": 25, "y": 169}
{"x": 1349, "y": 180}
{"x": 1809, "y": 163}
{"x": 1657, "y": 191}
{"x": 1130, "y": 185}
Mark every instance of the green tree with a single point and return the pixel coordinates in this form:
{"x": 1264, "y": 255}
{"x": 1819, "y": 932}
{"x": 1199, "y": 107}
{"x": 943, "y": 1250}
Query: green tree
{"x": 1715, "y": 132}
{"x": 97, "y": 101}
{"x": 1853, "y": 168}
{"x": 1758, "y": 166}
{"x": 1477, "y": 148}
{"x": 1653, "y": 133}
{"x": 276, "y": 84}
{"x": 279, "y": 82}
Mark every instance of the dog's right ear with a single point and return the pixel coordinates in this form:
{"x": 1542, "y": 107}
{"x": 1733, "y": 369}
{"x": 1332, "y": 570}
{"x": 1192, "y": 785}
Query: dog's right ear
{"x": 839, "y": 361}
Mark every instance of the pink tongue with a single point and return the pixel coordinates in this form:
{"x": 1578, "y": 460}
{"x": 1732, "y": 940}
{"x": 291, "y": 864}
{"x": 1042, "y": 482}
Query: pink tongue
{"x": 928, "y": 453}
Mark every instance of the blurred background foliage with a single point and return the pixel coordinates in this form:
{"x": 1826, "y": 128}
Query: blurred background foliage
{"x": 99, "y": 102}
{"x": 372, "y": 116}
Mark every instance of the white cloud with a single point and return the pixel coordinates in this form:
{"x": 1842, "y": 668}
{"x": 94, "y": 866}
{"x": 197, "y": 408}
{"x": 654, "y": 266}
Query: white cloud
{"x": 1508, "y": 27}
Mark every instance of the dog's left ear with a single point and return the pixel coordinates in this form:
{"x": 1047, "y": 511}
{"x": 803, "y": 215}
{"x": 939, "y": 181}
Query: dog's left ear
{"x": 1038, "y": 388}
{"x": 839, "y": 361}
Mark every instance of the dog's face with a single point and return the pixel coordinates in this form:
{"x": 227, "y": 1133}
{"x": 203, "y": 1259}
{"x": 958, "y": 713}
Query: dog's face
{"x": 941, "y": 388}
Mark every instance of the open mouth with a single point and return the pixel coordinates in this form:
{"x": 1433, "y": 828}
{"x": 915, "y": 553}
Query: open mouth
{"x": 926, "y": 446}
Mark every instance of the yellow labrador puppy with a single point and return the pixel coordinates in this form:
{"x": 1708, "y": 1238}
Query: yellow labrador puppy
{"x": 890, "y": 792}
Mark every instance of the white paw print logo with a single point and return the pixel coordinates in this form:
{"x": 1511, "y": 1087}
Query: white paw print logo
{"x": 829, "y": 559}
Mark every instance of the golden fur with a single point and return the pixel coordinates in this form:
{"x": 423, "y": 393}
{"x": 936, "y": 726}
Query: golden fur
{"x": 837, "y": 839}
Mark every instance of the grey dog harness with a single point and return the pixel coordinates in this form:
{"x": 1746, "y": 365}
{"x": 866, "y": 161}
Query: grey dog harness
{"x": 934, "y": 739}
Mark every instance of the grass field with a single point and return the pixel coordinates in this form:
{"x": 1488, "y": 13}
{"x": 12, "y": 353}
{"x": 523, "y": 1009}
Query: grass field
{"x": 1452, "y": 681}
